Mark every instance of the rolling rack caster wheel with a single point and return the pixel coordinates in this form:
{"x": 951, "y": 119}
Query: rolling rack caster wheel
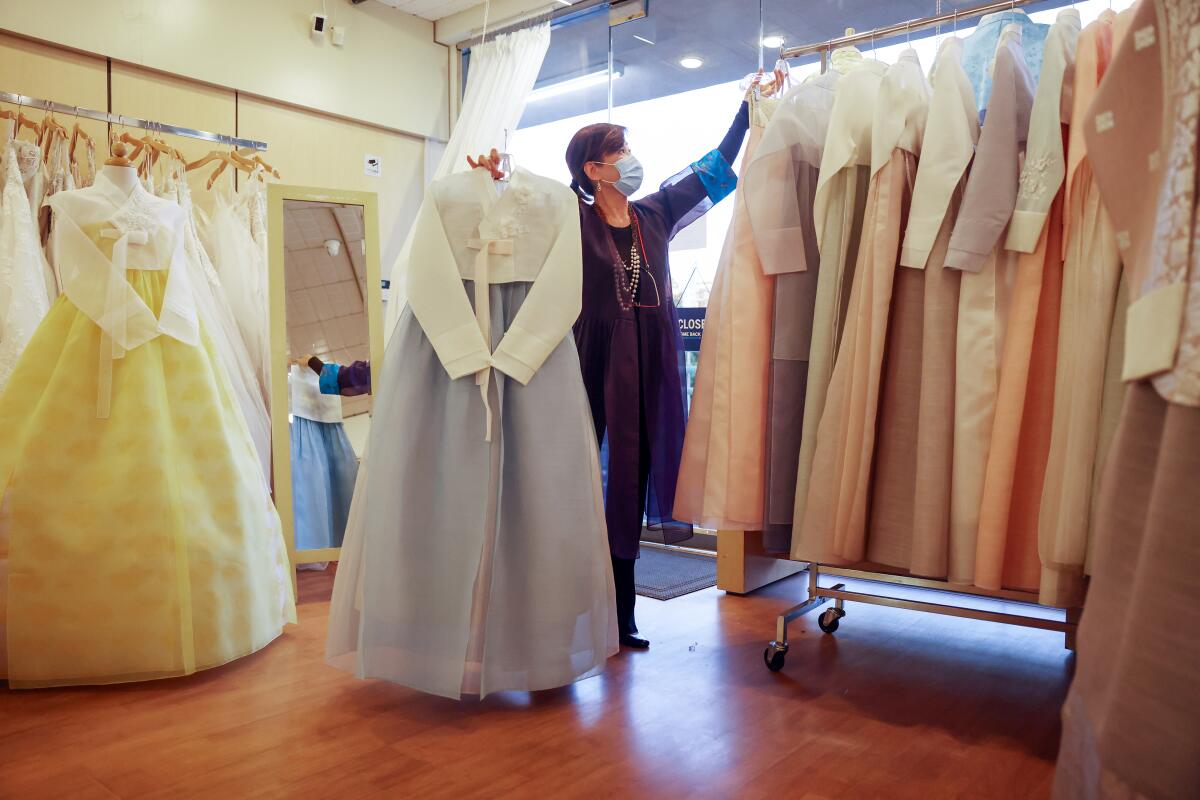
{"x": 828, "y": 621}
{"x": 774, "y": 656}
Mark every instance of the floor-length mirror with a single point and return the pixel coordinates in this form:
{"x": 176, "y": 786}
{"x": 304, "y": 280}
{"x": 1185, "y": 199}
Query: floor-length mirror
{"x": 326, "y": 317}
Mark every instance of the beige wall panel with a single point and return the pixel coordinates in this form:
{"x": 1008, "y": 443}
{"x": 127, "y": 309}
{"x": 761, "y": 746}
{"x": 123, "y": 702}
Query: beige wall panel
{"x": 164, "y": 98}
{"x": 391, "y": 72}
{"x": 51, "y": 73}
{"x": 314, "y": 150}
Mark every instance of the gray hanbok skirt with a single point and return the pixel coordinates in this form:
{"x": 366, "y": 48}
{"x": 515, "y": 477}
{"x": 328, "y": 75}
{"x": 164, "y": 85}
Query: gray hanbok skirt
{"x": 469, "y": 566}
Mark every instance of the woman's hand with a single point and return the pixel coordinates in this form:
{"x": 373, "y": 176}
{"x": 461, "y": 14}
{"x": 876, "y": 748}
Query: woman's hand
{"x": 310, "y": 361}
{"x": 490, "y": 162}
{"x": 765, "y": 89}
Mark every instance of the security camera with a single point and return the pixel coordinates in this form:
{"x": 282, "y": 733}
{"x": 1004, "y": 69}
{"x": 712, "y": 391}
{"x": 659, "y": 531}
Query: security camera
{"x": 333, "y": 247}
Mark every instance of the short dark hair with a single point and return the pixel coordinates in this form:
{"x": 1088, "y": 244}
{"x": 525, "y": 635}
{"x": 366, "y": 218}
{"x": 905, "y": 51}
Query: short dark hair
{"x": 591, "y": 143}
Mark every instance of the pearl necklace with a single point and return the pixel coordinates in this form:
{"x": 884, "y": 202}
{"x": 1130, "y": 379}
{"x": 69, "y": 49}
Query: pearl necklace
{"x": 628, "y": 280}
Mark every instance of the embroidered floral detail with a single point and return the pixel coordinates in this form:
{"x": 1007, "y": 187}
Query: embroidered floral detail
{"x": 509, "y": 224}
{"x": 138, "y": 214}
{"x": 1033, "y": 177}
{"x": 29, "y": 158}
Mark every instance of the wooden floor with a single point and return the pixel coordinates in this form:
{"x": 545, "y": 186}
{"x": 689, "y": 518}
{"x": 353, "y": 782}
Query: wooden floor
{"x": 897, "y": 705}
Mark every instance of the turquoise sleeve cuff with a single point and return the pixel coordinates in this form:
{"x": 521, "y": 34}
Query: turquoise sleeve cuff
{"x": 329, "y": 379}
{"x": 716, "y": 175}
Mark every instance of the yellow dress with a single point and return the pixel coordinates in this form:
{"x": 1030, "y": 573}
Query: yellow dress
{"x": 142, "y": 544}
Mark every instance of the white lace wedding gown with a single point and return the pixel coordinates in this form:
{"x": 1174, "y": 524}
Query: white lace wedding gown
{"x": 24, "y": 299}
{"x": 241, "y": 265}
{"x": 216, "y": 314}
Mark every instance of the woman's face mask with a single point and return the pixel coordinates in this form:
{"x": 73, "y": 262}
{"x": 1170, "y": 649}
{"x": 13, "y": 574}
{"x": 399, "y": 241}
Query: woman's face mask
{"x": 629, "y": 171}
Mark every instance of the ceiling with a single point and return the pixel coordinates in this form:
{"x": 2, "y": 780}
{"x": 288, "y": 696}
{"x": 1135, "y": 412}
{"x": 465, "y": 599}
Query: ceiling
{"x": 724, "y": 33}
{"x": 431, "y": 9}
{"x": 326, "y": 315}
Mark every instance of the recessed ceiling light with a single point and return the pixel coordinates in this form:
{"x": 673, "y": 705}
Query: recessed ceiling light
{"x": 772, "y": 41}
{"x": 691, "y": 62}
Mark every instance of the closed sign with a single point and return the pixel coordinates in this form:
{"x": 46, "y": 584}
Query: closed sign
{"x": 691, "y": 326}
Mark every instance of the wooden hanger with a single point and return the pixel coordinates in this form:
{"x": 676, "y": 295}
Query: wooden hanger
{"x": 226, "y": 160}
{"x": 274, "y": 172}
{"x": 77, "y": 133}
{"x": 252, "y": 164}
{"x": 6, "y": 114}
{"x": 243, "y": 161}
{"x": 161, "y": 147}
{"x": 222, "y": 156}
{"x": 25, "y": 122}
{"x": 51, "y": 127}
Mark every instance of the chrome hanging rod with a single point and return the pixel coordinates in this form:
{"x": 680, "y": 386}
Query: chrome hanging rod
{"x": 129, "y": 122}
{"x": 888, "y": 31}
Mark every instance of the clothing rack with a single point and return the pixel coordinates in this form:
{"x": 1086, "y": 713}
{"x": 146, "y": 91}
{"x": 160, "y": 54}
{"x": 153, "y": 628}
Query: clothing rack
{"x": 129, "y": 122}
{"x": 818, "y": 595}
{"x": 888, "y": 31}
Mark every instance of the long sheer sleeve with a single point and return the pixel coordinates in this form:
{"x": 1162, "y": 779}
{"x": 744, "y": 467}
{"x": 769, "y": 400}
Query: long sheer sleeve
{"x": 950, "y": 137}
{"x": 438, "y": 301}
{"x": 687, "y": 195}
{"x": 991, "y": 193}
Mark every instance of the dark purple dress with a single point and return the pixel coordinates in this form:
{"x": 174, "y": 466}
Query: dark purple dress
{"x": 633, "y": 361}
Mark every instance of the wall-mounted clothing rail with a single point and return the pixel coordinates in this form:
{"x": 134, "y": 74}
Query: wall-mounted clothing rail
{"x": 129, "y": 122}
{"x": 902, "y": 28}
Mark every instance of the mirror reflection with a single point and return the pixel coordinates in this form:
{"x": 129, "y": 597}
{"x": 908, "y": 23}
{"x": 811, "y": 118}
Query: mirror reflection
{"x": 325, "y": 281}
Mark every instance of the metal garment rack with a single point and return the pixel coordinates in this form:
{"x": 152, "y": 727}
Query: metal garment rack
{"x": 905, "y": 28}
{"x": 129, "y": 122}
{"x": 818, "y": 595}
{"x": 776, "y": 651}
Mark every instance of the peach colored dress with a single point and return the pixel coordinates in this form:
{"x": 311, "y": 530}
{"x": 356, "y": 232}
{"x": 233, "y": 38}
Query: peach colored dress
{"x": 835, "y": 521}
{"x": 1007, "y": 552}
{"x": 1091, "y": 276}
{"x": 910, "y": 504}
{"x": 721, "y": 474}
{"x": 977, "y": 248}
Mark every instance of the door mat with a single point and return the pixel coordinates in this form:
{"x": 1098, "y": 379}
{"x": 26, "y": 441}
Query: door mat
{"x": 666, "y": 574}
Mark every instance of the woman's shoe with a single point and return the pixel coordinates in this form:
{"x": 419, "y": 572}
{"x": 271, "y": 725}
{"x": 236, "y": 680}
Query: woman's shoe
{"x": 633, "y": 642}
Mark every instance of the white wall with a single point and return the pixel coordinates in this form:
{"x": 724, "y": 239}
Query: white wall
{"x": 390, "y": 73}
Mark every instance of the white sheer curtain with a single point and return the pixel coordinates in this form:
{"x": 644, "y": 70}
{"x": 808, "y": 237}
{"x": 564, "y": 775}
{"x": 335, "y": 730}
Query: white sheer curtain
{"x": 500, "y": 77}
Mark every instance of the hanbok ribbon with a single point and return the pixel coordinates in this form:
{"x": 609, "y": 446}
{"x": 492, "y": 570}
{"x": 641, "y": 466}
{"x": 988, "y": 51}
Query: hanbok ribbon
{"x": 483, "y": 310}
{"x": 113, "y": 328}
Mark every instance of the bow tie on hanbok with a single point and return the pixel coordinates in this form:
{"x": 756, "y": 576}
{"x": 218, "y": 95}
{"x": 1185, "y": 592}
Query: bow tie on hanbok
{"x": 483, "y": 310}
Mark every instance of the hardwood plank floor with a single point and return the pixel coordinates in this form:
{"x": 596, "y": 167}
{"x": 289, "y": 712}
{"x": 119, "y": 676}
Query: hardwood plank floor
{"x": 897, "y": 705}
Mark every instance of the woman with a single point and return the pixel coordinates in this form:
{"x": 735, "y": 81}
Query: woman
{"x": 628, "y": 336}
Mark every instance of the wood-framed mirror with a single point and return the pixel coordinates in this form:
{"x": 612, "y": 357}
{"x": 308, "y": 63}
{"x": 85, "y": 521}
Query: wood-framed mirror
{"x": 326, "y": 301}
